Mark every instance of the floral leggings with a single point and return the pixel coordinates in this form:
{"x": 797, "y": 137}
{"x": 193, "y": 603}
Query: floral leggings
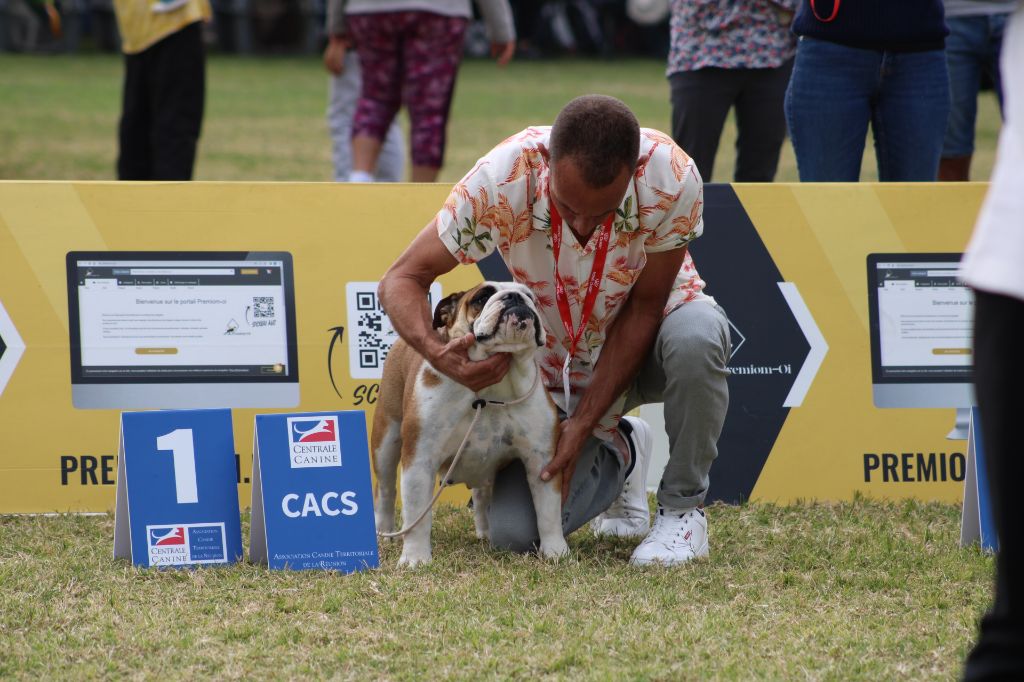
{"x": 408, "y": 58}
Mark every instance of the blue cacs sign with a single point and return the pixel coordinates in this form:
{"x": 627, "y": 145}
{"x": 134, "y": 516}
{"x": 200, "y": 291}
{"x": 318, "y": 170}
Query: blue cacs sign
{"x": 312, "y": 506}
{"x": 177, "y": 497}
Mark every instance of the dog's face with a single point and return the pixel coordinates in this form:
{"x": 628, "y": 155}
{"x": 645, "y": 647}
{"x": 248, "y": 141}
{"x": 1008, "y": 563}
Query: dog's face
{"x": 501, "y": 315}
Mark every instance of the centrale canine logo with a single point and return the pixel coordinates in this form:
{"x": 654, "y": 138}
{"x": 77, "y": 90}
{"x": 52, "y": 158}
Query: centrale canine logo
{"x": 161, "y": 537}
{"x": 315, "y": 431}
{"x": 313, "y": 442}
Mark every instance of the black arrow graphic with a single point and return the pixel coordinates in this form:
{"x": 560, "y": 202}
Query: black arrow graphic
{"x": 339, "y": 334}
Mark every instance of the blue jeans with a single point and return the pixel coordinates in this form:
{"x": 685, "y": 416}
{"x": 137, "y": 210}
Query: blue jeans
{"x": 972, "y": 51}
{"x": 837, "y": 90}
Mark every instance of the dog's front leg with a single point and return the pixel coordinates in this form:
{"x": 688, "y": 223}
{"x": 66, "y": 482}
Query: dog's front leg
{"x": 481, "y": 504}
{"x": 417, "y": 491}
{"x": 547, "y": 502}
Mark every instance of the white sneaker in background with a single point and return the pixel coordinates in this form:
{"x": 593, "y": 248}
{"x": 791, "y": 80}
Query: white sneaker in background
{"x": 360, "y": 176}
{"x": 629, "y": 516}
{"x": 678, "y": 536}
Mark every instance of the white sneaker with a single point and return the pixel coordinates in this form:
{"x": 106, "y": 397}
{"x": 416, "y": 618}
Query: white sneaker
{"x": 678, "y": 536}
{"x": 629, "y": 516}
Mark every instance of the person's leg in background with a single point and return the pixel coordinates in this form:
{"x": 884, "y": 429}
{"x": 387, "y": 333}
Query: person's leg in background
{"x": 828, "y": 106}
{"x": 701, "y": 101}
{"x": 761, "y": 122}
{"x": 341, "y": 106}
{"x": 380, "y": 48}
{"x": 910, "y": 116}
{"x": 996, "y": 29}
{"x": 391, "y": 163}
{"x": 966, "y": 53}
{"x": 134, "y": 159}
{"x": 999, "y": 374}
{"x": 430, "y": 64}
{"x": 178, "y": 93}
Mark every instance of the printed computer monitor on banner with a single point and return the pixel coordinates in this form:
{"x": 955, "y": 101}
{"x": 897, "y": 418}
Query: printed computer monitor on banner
{"x": 921, "y": 317}
{"x": 182, "y": 329}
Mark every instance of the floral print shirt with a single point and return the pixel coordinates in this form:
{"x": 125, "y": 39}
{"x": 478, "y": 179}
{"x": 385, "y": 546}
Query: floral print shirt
{"x": 730, "y": 34}
{"x": 502, "y": 203}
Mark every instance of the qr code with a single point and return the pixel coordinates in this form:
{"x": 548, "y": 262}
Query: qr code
{"x": 263, "y": 306}
{"x": 370, "y": 332}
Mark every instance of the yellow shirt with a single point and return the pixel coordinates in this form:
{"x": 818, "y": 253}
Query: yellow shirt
{"x": 141, "y": 27}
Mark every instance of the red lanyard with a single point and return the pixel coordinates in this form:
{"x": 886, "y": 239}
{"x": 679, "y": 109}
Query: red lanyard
{"x": 593, "y": 286}
{"x": 835, "y": 11}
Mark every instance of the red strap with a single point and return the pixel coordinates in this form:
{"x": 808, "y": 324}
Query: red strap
{"x": 593, "y": 282}
{"x": 835, "y": 11}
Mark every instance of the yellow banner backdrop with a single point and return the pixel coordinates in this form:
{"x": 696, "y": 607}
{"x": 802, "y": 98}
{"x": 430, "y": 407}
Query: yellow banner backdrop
{"x": 54, "y": 457}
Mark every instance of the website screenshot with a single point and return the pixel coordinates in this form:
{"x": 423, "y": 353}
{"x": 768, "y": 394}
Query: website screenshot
{"x": 925, "y": 316}
{"x": 189, "y": 320}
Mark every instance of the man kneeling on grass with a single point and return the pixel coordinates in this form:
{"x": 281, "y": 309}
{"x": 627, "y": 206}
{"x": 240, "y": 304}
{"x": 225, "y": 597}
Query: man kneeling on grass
{"x": 595, "y": 215}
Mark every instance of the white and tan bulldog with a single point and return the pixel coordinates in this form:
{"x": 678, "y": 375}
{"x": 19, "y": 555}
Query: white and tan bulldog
{"x": 422, "y": 416}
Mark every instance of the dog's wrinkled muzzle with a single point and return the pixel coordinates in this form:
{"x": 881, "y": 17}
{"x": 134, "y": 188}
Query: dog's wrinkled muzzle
{"x": 520, "y": 323}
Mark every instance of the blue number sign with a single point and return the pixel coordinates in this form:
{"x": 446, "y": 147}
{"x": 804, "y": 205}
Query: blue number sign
{"x": 312, "y": 506}
{"x": 177, "y": 496}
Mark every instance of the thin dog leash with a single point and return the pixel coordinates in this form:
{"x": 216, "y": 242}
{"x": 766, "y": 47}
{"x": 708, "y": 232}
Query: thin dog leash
{"x": 479, "y": 404}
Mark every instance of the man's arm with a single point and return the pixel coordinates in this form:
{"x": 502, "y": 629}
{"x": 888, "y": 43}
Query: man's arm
{"x": 501, "y": 29}
{"x": 338, "y": 42}
{"x": 403, "y": 294}
{"x": 633, "y": 330}
{"x": 335, "y": 20}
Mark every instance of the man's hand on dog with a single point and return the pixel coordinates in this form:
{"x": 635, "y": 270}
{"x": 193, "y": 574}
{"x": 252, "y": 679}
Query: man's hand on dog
{"x": 454, "y": 361}
{"x": 572, "y": 435}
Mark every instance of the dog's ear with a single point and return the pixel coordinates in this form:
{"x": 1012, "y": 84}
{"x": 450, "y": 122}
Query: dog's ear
{"x": 445, "y": 311}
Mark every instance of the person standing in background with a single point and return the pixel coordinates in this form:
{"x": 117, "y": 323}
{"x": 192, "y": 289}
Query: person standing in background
{"x": 992, "y": 267}
{"x": 870, "y": 61}
{"x": 342, "y": 63}
{"x": 410, "y": 55}
{"x": 164, "y": 87}
{"x": 727, "y": 53}
{"x": 972, "y": 53}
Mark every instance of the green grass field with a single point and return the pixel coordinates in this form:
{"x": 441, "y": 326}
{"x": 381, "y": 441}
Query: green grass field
{"x": 859, "y": 591}
{"x": 265, "y": 117}
{"x": 856, "y": 591}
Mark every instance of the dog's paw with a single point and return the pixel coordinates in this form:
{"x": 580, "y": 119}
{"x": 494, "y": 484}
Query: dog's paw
{"x": 412, "y": 560}
{"x": 554, "y": 549}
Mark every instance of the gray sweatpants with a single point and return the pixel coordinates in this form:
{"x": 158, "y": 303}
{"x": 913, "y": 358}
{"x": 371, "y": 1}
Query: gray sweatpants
{"x": 686, "y": 370}
{"x": 341, "y": 107}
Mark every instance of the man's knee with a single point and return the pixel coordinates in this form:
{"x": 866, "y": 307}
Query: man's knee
{"x": 694, "y": 339}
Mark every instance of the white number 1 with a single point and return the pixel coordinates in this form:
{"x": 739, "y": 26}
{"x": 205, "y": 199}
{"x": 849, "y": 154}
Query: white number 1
{"x": 180, "y": 443}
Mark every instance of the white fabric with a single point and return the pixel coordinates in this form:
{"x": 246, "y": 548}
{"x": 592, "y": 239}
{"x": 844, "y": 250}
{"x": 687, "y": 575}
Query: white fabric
{"x": 497, "y": 14}
{"x": 973, "y": 8}
{"x": 449, "y": 8}
{"x": 995, "y": 255}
